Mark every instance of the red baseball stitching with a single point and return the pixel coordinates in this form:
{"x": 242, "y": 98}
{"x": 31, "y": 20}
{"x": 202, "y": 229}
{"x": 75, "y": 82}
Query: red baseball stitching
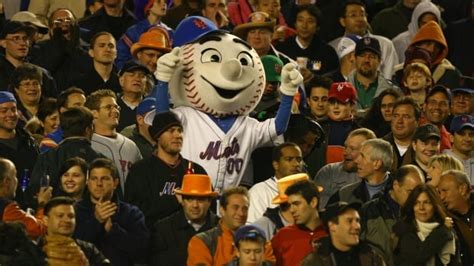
{"x": 196, "y": 101}
{"x": 189, "y": 82}
{"x": 187, "y": 63}
{"x": 190, "y": 90}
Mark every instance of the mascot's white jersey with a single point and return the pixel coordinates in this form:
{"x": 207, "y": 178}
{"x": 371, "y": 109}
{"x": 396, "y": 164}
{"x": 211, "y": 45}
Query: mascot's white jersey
{"x": 225, "y": 156}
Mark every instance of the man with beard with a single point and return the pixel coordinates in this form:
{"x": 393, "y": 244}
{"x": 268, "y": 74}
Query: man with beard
{"x": 62, "y": 54}
{"x": 287, "y": 160}
{"x": 366, "y": 78}
{"x": 151, "y": 182}
{"x": 353, "y": 17}
{"x": 334, "y": 176}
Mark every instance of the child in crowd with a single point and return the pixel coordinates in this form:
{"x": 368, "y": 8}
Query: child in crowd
{"x": 417, "y": 81}
{"x": 342, "y": 98}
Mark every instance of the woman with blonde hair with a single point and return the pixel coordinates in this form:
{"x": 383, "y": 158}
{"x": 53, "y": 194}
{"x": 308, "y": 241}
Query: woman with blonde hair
{"x": 440, "y": 163}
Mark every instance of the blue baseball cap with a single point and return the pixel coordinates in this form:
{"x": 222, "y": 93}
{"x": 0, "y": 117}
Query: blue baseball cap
{"x": 6, "y": 97}
{"x": 146, "y": 105}
{"x": 459, "y": 122}
{"x": 248, "y": 232}
{"x": 192, "y": 29}
{"x": 465, "y": 90}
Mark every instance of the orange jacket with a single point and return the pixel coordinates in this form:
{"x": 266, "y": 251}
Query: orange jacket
{"x": 199, "y": 254}
{"x": 35, "y": 225}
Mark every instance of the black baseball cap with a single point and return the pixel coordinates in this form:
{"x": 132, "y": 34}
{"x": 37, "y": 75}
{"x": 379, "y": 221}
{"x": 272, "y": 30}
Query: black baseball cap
{"x": 16, "y": 26}
{"x": 426, "y": 132}
{"x": 368, "y": 44}
{"x": 133, "y": 65}
{"x": 335, "y": 209}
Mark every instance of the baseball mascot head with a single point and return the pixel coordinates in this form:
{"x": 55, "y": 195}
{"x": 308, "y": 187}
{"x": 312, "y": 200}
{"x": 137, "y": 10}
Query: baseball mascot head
{"x": 215, "y": 72}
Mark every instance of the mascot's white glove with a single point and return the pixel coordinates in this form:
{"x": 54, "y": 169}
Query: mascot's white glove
{"x": 290, "y": 79}
{"x": 166, "y": 65}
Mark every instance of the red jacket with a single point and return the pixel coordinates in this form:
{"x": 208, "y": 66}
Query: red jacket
{"x": 292, "y": 243}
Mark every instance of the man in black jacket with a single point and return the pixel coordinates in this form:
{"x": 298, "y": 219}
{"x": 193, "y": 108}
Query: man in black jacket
{"x": 62, "y": 54}
{"x": 171, "y": 235}
{"x": 343, "y": 246}
{"x": 151, "y": 181}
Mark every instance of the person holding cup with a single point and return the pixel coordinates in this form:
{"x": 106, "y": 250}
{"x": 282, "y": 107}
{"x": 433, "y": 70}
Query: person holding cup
{"x": 306, "y": 47}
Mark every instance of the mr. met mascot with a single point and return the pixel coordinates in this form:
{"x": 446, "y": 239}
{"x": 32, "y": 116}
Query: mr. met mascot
{"x": 215, "y": 80}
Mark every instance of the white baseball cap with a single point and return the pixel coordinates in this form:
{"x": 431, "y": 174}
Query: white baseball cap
{"x": 25, "y": 16}
{"x": 346, "y": 45}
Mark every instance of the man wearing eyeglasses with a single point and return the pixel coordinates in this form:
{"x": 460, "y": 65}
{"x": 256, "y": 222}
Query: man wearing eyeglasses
{"x": 436, "y": 111}
{"x": 106, "y": 140}
{"x": 15, "y": 38}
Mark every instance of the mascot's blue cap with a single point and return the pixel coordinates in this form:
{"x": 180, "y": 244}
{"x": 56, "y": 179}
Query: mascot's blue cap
{"x": 192, "y": 29}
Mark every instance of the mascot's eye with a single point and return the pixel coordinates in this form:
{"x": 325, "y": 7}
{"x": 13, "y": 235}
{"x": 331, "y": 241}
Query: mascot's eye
{"x": 210, "y": 55}
{"x": 245, "y": 59}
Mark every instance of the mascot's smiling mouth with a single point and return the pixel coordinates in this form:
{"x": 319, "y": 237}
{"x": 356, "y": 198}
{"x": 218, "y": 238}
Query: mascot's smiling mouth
{"x": 224, "y": 93}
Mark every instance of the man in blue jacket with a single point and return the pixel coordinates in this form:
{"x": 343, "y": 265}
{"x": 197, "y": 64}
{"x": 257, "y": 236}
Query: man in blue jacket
{"x": 115, "y": 227}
